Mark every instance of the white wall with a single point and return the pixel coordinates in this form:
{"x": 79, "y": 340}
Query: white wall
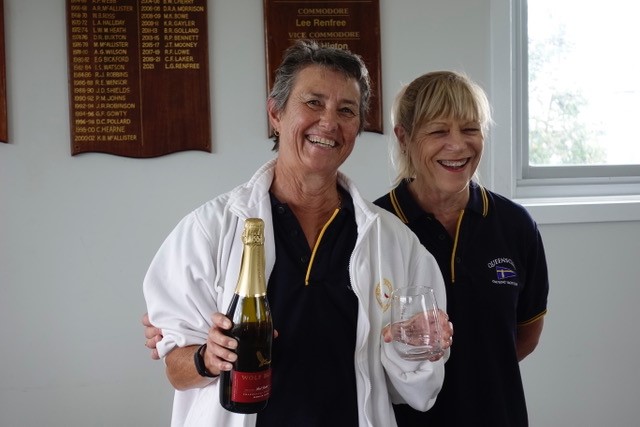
{"x": 77, "y": 233}
{"x": 585, "y": 372}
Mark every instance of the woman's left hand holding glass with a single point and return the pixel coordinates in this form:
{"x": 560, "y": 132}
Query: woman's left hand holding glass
{"x": 446, "y": 334}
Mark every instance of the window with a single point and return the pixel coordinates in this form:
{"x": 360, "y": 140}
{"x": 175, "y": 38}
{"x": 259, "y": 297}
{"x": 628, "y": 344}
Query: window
{"x": 566, "y": 95}
{"x": 582, "y": 89}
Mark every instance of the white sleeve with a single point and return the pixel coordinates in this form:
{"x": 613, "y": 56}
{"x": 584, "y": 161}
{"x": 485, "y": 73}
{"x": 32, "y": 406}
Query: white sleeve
{"x": 178, "y": 287}
{"x": 414, "y": 383}
{"x": 411, "y": 382}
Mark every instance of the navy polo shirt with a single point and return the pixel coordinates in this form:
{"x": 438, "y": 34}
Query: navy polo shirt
{"x": 496, "y": 278}
{"x": 315, "y": 312}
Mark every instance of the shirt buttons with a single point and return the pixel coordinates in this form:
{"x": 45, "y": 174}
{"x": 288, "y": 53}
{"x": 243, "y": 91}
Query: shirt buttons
{"x": 280, "y": 210}
{"x": 441, "y": 236}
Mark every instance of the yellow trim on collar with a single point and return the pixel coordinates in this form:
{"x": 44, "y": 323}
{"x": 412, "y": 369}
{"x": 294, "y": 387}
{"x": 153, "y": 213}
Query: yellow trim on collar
{"x": 485, "y": 201}
{"x": 315, "y": 248}
{"x": 396, "y": 206}
{"x": 455, "y": 247}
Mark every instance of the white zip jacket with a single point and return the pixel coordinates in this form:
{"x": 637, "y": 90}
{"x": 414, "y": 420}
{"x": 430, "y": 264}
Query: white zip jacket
{"x": 194, "y": 275}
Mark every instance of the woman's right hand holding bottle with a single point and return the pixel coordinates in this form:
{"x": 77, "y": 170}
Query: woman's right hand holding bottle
{"x": 220, "y": 352}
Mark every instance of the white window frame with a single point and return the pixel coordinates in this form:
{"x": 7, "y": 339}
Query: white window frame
{"x": 559, "y": 199}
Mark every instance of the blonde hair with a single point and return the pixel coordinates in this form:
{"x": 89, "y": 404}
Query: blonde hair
{"x": 432, "y": 96}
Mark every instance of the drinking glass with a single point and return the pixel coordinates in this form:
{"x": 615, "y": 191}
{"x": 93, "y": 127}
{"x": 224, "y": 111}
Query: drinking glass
{"x": 415, "y": 326}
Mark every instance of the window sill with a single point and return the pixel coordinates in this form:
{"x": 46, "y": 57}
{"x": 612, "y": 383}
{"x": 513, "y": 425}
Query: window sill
{"x": 583, "y": 209}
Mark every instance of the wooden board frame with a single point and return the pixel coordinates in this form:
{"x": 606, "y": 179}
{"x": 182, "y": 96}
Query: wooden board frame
{"x": 138, "y": 76}
{"x": 4, "y": 127}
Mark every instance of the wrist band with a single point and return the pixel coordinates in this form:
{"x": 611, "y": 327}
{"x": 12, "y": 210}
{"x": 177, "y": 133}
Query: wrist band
{"x": 199, "y": 362}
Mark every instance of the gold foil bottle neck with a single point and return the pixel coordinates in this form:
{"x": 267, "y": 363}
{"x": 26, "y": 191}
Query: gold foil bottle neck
{"x": 251, "y": 279}
{"x": 253, "y": 233}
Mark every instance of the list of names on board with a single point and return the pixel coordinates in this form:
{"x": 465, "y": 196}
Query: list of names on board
{"x": 139, "y": 79}
{"x": 346, "y": 24}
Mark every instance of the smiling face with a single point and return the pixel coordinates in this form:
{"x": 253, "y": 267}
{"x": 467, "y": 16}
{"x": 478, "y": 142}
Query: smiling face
{"x": 445, "y": 153}
{"x": 440, "y": 120}
{"x": 319, "y": 123}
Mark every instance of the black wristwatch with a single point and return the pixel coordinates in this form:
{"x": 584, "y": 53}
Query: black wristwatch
{"x": 199, "y": 361}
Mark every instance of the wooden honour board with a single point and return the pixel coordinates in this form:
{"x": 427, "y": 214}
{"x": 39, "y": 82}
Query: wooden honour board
{"x": 138, "y": 76}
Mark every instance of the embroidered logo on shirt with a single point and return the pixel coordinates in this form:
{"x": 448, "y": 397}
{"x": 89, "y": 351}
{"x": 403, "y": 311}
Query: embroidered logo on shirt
{"x": 383, "y": 294}
{"x": 505, "y": 271}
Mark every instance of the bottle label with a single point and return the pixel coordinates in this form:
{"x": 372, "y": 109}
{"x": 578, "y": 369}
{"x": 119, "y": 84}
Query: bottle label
{"x": 250, "y": 387}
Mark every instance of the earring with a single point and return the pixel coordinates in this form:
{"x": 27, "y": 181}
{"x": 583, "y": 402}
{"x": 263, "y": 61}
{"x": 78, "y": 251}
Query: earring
{"x": 276, "y": 133}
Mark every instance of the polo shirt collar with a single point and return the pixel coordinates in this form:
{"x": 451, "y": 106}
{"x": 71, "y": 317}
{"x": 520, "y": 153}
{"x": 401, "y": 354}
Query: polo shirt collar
{"x": 408, "y": 210}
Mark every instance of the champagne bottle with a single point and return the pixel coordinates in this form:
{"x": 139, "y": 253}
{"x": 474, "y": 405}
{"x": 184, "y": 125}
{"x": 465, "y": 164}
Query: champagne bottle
{"x": 246, "y": 388}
